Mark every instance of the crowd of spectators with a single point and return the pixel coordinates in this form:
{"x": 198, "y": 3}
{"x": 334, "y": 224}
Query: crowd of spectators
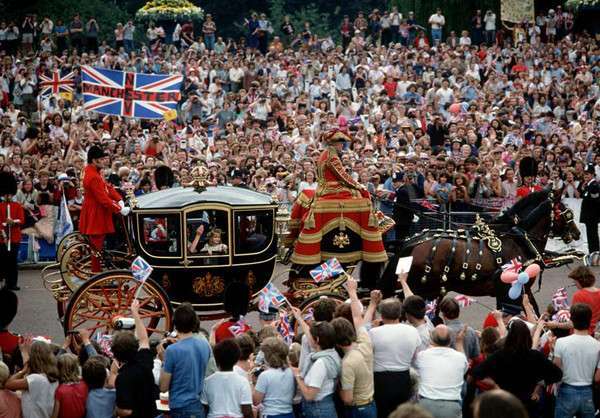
{"x": 388, "y": 359}
{"x": 454, "y": 117}
{"x": 450, "y": 116}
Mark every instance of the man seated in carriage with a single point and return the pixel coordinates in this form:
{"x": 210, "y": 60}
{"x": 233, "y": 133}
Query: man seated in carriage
{"x": 337, "y": 219}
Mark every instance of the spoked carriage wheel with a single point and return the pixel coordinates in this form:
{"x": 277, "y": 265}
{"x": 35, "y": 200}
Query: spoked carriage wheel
{"x": 107, "y": 296}
{"x": 66, "y": 242}
{"x": 308, "y": 304}
{"x": 76, "y": 264}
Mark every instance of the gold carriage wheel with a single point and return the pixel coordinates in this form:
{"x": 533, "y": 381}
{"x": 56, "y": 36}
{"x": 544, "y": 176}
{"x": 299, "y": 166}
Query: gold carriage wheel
{"x": 309, "y": 303}
{"x": 76, "y": 265}
{"x": 108, "y": 295}
{"x": 66, "y": 242}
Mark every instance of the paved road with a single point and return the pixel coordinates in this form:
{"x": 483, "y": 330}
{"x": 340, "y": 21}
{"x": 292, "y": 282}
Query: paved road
{"x": 37, "y": 309}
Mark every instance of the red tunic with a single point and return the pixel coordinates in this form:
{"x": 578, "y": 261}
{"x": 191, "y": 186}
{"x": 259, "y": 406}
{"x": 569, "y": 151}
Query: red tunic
{"x": 526, "y": 190}
{"x": 16, "y": 213}
{"x": 99, "y": 203}
{"x": 339, "y": 202}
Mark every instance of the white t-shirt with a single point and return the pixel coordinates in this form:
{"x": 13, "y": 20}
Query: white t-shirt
{"x": 394, "y": 346}
{"x": 441, "y": 371}
{"x": 279, "y": 388}
{"x": 316, "y": 377}
{"x": 224, "y": 393}
{"x": 579, "y": 355}
{"x": 38, "y": 400}
{"x": 437, "y": 21}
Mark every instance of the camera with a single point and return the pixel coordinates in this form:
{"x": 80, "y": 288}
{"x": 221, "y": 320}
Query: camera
{"x": 121, "y": 323}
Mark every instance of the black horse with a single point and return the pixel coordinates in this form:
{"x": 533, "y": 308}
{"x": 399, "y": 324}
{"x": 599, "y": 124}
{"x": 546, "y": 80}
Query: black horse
{"x": 469, "y": 261}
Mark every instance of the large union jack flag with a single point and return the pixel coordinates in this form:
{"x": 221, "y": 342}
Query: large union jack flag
{"x": 144, "y": 96}
{"x": 56, "y": 84}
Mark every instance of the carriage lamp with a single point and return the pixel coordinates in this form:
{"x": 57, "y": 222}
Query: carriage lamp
{"x": 282, "y": 219}
{"x": 131, "y": 197}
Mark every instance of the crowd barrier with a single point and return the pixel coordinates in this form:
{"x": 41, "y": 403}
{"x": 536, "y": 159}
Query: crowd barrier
{"x": 429, "y": 216}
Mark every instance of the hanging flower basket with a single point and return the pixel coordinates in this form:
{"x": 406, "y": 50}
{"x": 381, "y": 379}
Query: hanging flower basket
{"x": 169, "y": 10}
{"x": 574, "y": 4}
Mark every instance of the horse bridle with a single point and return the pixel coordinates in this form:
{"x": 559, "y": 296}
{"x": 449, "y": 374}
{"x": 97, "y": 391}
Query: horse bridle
{"x": 566, "y": 215}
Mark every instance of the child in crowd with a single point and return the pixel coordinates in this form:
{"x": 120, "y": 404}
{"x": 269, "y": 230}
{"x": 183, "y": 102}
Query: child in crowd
{"x": 101, "y": 396}
{"x": 226, "y": 393}
{"x": 10, "y": 404}
{"x": 70, "y": 396}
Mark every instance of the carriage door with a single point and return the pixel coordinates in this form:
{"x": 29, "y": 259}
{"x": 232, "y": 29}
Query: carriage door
{"x": 208, "y": 237}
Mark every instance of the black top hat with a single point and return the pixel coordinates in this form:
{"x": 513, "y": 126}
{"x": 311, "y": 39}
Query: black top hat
{"x": 8, "y": 184}
{"x": 95, "y": 152}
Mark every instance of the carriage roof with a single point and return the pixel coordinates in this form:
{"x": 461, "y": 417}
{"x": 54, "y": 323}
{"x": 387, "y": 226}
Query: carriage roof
{"x": 180, "y": 197}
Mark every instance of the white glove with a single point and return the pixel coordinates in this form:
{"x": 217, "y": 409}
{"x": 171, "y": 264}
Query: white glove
{"x": 121, "y": 204}
{"x": 125, "y": 211}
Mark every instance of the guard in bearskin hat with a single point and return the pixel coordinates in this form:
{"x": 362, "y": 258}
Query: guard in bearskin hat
{"x": 235, "y": 301}
{"x": 528, "y": 172}
{"x": 12, "y": 217}
{"x": 100, "y": 202}
{"x": 590, "y": 208}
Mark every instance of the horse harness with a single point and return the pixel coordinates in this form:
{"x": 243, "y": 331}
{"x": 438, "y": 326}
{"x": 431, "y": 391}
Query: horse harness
{"x": 480, "y": 232}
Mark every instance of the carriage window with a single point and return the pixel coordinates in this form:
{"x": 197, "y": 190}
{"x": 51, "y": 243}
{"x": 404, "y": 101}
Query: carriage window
{"x": 208, "y": 233}
{"x": 254, "y": 231}
{"x": 161, "y": 235}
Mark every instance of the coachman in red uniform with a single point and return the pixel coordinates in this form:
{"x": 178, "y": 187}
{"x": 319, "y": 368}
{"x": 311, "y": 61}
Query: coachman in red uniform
{"x": 100, "y": 202}
{"x": 337, "y": 219}
{"x": 12, "y": 217}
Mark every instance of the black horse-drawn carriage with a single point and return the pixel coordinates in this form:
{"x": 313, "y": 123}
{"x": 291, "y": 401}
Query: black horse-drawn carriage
{"x": 198, "y": 240}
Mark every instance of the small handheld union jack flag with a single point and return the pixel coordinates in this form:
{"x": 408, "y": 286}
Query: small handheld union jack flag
{"x": 327, "y": 270}
{"x": 285, "y": 328}
{"x": 237, "y": 328}
{"x": 56, "y": 84}
{"x": 430, "y": 307}
{"x": 560, "y": 299}
{"x": 464, "y": 301}
{"x": 140, "y": 269}
{"x": 514, "y": 266}
{"x": 270, "y": 296}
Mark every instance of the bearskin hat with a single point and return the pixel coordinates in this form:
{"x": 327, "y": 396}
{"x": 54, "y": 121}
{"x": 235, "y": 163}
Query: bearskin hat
{"x": 528, "y": 167}
{"x": 8, "y": 307}
{"x": 8, "y": 184}
{"x": 163, "y": 177}
{"x": 236, "y": 299}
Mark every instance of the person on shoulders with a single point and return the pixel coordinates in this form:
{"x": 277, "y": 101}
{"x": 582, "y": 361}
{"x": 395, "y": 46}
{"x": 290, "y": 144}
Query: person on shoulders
{"x": 587, "y": 293}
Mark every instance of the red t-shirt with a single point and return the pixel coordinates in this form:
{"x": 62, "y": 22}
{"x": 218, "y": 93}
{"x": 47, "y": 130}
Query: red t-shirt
{"x": 592, "y": 299}
{"x": 72, "y": 398}
{"x": 223, "y": 332}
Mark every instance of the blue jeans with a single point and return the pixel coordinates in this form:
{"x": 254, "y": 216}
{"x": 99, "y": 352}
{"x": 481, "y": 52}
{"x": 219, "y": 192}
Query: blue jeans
{"x": 288, "y": 415}
{"x": 209, "y": 41}
{"x": 325, "y": 408}
{"x": 189, "y": 411}
{"x": 128, "y": 43}
{"x": 364, "y": 411}
{"x": 574, "y": 400}
{"x": 436, "y": 36}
